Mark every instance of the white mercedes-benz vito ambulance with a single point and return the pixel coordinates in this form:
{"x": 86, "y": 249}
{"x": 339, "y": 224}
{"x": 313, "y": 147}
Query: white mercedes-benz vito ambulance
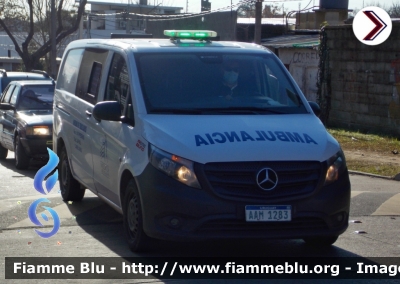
{"x": 194, "y": 139}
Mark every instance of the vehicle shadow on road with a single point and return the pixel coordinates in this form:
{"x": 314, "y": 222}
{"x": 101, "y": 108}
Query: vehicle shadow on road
{"x": 34, "y": 166}
{"x": 114, "y": 239}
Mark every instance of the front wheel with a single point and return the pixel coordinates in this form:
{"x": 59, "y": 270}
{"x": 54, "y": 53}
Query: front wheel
{"x": 71, "y": 189}
{"x": 3, "y": 153}
{"x": 321, "y": 241}
{"x": 133, "y": 219}
{"x": 21, "y": 158}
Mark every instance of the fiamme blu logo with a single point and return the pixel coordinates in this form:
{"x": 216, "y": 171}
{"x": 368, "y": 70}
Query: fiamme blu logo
{"x": 49, "y": 184}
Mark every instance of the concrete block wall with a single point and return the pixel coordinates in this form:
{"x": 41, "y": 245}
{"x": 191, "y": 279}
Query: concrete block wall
{"x": 365, "y": 81}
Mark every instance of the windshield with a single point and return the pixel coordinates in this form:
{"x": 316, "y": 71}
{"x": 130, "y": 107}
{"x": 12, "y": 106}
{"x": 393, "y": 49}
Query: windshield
{"x": 216, "y": 83}
{"x": 6, "y": 80}
{"x": 36, "y": 98}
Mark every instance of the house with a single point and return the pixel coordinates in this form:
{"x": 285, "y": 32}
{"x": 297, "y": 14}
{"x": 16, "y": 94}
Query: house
{"x": 109, "y": 17}
{"x": 298, "y": 51}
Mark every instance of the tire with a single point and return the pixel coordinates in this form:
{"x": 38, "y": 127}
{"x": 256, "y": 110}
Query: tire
{"x": 321, "y": 241}
{"x": 21, "y": 158}
{"x": 133, "y": 219}
{"x": 3, "y": 153}
{"x": 70, "y": 188}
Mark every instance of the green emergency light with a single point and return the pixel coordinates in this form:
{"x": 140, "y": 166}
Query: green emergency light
{"x": 192, "y": 34}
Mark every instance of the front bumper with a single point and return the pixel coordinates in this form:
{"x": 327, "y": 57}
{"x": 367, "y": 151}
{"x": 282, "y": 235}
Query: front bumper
{"x": 174, "y": 211}
{"x": 37, "y": 147}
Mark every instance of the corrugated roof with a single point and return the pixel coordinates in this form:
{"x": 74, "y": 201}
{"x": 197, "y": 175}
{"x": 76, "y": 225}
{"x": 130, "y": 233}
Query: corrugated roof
{"x": 119, "y": 3}
{"x": 293, "y": 40}
{"x": 267, "y": 21}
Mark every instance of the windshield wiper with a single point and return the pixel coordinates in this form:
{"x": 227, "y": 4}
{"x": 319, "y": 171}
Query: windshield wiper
{"x": 175, "y": 111}
{"x": 225, "y": 110}
{"x": 254, "y": 110}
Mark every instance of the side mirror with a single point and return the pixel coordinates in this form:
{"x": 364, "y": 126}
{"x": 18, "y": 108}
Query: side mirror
{"x": 108, "y": 110}
{"x": 7, "y": 106}
{"x": 315, "y": 107}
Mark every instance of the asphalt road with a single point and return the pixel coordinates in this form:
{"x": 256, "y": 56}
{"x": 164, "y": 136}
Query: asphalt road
{"x": 92, "y": 229}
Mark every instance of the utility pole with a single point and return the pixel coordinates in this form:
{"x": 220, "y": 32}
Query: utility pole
{"x": 257, "y": 27}
{"x": 80, "y": 32}
{"x": 128, "y": 18}
{"x": 89, "y": 25}
{"x": 53, "y": 54}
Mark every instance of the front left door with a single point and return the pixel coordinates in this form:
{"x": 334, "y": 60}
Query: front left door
{"x": 109, "y": 146}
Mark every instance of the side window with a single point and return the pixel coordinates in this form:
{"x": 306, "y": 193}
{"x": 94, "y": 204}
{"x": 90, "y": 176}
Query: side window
{"x": 118, "y": 86}
{"x": 94, "y": 81}
{"x": 90, "y": 74}
{"x": 69, "y": 71}
{"x": 8, "y": 93}
{"x": 14, "y": 95}
{"x": 3, "y": 95}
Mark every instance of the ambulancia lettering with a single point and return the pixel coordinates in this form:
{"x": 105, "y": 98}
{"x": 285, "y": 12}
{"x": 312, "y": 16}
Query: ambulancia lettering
{"x": 258, "y": 135}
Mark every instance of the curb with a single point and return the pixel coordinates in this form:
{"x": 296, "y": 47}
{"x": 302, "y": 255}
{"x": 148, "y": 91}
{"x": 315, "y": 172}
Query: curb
{"x": 395, "y": 178}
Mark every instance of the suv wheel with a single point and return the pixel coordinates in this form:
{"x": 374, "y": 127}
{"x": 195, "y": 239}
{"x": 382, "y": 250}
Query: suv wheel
{"x": 21, "y": 158}
{"x": 3, "y": 153}
{"x": 71, "y": 189}
{"x": 133, "y": 219}
{"x": 321, "y": 241}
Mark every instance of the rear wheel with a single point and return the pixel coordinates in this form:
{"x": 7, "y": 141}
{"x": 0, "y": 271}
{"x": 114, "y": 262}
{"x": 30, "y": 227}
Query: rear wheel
{"x": 133, "y": 219}
{"x": 3, "y": 153}
{"x": 321, "y": 241}
{"x": 21, "y": 158}
{"x": 71, "y": 189}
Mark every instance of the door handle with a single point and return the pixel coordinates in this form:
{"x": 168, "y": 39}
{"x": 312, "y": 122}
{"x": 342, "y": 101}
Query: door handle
{"x": 88, "y": 113}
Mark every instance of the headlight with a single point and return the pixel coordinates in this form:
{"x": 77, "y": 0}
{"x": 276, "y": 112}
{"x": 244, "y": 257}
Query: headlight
{"x": 174, "y": 166}
{"x": 336, "y": 166}
{"x": 38, "y": 130}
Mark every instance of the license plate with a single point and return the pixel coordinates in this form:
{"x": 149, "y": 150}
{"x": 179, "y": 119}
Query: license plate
{"x": 268, "y": 213}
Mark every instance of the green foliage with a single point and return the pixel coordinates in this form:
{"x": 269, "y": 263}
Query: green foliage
{"x": 323, "y": 24}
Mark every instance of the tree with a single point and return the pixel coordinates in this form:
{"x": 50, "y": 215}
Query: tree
{"x": 394, "y": 11}
{"x": 35, "y": 42}
{"x": 246, "y": 10}
{"x": 273, "y": 11}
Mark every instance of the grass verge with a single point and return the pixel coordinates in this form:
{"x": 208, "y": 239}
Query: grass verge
{"x": 378, "y": 151}
{"x": 375, "y": 168}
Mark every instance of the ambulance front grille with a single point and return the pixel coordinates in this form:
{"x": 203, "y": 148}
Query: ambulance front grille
{"x": 238, "y": 179}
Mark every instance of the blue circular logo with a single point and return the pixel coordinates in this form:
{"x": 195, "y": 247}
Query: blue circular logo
{"x": 38, "y": 184}
{"x": 35, "y": 220}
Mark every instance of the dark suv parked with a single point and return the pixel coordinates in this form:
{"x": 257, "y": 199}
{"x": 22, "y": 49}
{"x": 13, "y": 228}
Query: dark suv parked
{"x": 8, "y": 76}
{"x": 26, "y": 120}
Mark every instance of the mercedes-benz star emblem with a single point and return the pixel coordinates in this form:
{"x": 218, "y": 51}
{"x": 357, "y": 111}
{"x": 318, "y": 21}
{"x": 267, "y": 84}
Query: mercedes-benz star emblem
{"x": 267, "y": 179}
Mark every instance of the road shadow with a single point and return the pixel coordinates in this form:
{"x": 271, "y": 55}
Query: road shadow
{"x": 115, "y": 240}
{"x": 34, "y": 166}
